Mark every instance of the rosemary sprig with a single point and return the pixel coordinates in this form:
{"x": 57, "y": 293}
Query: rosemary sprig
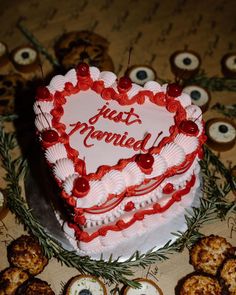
{"x": 38, "y": 46}
{"x": 213, "y": 83}
{"x": 226, "y": 110}
{"x": 114, "y": 271}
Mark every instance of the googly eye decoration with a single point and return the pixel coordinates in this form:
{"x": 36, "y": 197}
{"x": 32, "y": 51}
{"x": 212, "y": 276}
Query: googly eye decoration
{"x": 85, "y": 285}
{"x": 148, "y": 287}
{"x": 228, "y": 65}
{"x": 185, "y": 64}
{"x": 141, "y": 74}
{"x": 221, "y": 134}
{"x": 199, "y": 96}
{"x": 25, "y": 59}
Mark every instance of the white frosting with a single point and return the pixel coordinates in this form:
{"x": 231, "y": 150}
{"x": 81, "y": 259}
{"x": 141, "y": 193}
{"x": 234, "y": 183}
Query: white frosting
{"x": 55, "y": 152}
{"x": 63, "y": 168}
{"x": 42, "y": 107}
{"x": 43, "y": 121}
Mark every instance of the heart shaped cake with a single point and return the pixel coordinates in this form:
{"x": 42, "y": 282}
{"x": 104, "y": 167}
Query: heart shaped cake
{"x": 124, "y": 156}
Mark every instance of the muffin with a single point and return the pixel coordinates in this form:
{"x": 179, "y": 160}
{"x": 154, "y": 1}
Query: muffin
{"x": 10, "y": 279}
{"x": 26, "y": 253}
{"x": 228, "y": 275}
{"x": 228, "y": 65}
{"x": 141, "y": 74}
{"x": 208, "y": 253}
{"x": 35, "y": 286}
{"x": 196, "y": 284}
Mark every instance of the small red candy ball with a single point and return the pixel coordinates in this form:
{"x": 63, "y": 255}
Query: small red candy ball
{"x": 145, "y": 161}
{"x": 83, "y": 69}
{"x": 189, "y": 127}
{"x": 50, "y": 136}
{"x": 81, "y": 187}
{"x": 174, "y": 90}
{"x": 125, "y": 83}
{"x": 168, "y": 188}
{"x": 129, "y": 206}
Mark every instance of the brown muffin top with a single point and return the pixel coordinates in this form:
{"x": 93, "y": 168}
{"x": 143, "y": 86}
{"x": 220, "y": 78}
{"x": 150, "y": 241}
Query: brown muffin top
{"x": 26, "y": 253}
{"x": 36, "y": 286}
{"x": 199, "y": 284}
{"x": 228, "y": 274}
{"x": 208, "y": 253}
{"x": 10, "y": 279}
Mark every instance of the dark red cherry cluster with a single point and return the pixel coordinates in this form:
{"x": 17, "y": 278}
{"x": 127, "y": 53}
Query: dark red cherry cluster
{"x": 81, "y": 187}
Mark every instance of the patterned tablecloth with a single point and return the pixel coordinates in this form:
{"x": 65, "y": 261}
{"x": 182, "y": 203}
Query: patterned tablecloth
{"x": 155, "y": 29}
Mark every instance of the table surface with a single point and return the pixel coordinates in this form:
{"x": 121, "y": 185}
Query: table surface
{"x": 155, "y": 29}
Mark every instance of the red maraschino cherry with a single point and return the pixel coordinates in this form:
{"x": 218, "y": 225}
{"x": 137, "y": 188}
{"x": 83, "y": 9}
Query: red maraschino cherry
{"x": 81, "y": 187}
{"x": 189, "y": 127}
{"x": 124, "y": 84}
{"x": 83, "y": 69}
{"x": 49, "y": 136}
{"x": 42, "y": 93}
{"x": 174, "y": 90}
{"x": 145, "y": 161}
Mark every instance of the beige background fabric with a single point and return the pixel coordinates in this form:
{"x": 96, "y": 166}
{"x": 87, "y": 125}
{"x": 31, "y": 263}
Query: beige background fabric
{"x": 155, "y": 29}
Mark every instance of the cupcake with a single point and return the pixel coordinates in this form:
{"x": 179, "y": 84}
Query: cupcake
{"x": 141, "y": 74}
{"x": 25, "y": 59}
{"x": 35, "y": 286}
{"x": 228, "y": 65}
{"x": 228, "y": 275}
{"x": 3, "y": 54}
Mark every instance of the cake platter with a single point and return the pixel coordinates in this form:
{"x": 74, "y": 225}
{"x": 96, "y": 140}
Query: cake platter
{"x": 43, "y": 198}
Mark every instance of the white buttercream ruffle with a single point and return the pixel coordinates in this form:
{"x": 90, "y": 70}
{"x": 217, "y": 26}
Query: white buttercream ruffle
{"x": 55, "y": 152}
{"x": 63, "y": 168}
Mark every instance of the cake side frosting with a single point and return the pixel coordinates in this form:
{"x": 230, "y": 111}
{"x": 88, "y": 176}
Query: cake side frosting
{"x": 92, "y": 117}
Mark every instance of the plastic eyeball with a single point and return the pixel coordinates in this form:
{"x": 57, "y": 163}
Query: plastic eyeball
{"x": 3, "y": 54}
{"x": 221, "y": 134}
{"x": 185, "y": 64}
{"x": 199, "y": 96}
{"x": 148, "y": 287}
{"x": 228, "y": 65}
{"x": 25, "y": 58}
{"x": 141, "y": 74}
{"x": 85, "y": 285}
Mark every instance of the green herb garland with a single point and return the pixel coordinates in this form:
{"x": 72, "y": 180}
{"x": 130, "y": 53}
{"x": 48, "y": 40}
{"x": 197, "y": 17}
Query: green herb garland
{"x": 212, "y": 206}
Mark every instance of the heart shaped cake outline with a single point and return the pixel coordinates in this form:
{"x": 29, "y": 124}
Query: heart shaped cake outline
{"x": 49, "y": 114}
